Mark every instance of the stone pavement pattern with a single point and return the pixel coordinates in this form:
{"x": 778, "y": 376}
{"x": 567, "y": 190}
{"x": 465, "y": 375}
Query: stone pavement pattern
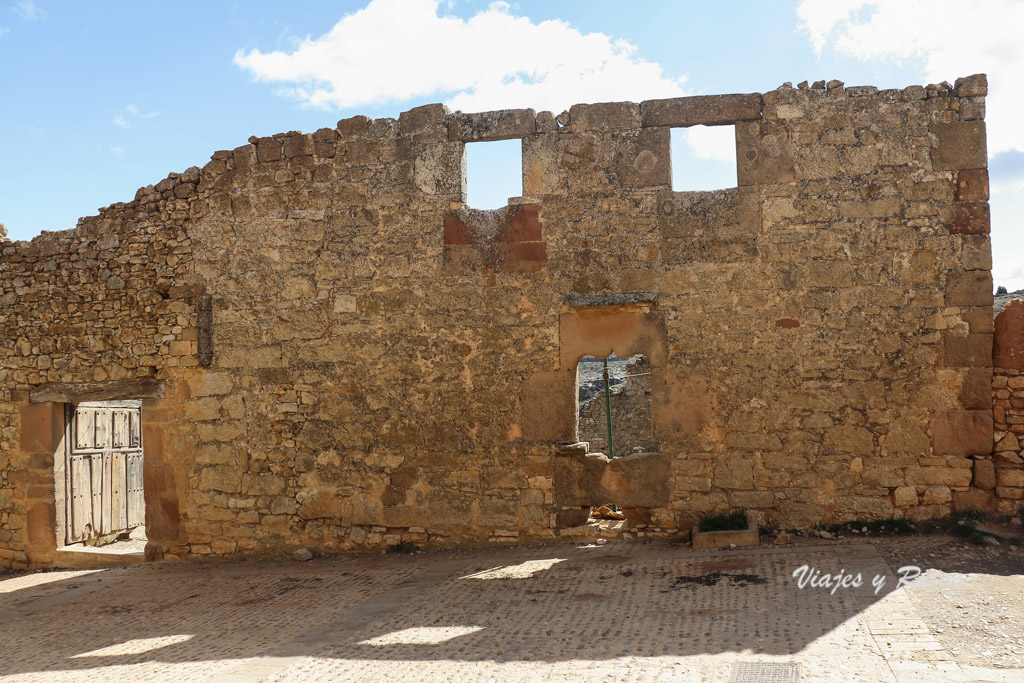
{"x": 617, "y": 612}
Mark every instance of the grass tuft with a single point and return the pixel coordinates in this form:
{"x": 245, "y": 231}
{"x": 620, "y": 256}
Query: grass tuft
{"x": 735, "y": 520}
{"x": 403, "y": 547}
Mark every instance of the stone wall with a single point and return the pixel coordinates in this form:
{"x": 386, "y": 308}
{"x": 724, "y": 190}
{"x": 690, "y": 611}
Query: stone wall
{"x": 1003, "y": 473}
{"x": 348, "y": 356}
{"x": 631, "y": 413}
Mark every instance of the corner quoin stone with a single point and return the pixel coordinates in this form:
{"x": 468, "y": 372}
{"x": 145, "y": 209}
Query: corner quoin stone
{"x": 959, "y": 145}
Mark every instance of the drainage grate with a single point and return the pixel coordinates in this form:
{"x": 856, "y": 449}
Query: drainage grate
{"x": 765, "y": 672}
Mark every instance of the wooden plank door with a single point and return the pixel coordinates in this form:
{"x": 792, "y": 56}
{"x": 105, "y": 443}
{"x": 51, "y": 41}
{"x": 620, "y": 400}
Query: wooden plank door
{"x": 104, "y": 469}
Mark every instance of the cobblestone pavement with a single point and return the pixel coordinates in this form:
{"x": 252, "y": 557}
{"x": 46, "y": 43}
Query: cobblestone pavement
{"x": 620, "y": 612}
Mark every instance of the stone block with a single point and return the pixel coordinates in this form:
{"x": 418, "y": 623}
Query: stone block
{"x": 492, "y": 125}
{"x": 763, "y": 157}
{"x": 746, "y": 538}
{"x": 959, "y": 145}
{"x": 976, "y": 389}
{"x": 905, "y": 496}
{"x": 642, "y": 158}
{"x": 1008, "y": 338}
{"x": 268, "y": 149}
{"x": 962, "y": 433}
{"x": 969, "y": 218}
{"x": 971, "y": 86}
{"x": 972, "y": 350}
{"x": 355, "y": 125}
{"x": 42, "y": 426}
{"x": 541, "y": 173}
{"x": 707, "y": 110}
{"x": 1010, "y": 476}
{"x": 936, "y": 495}
{"x": 734, "y": 472}
{"x": 969, "y": 288}
{"x": 427, "y": 123}
{"x": 977, "y": 252}
{"x": 972, "y": 185}
{"x": 973, "y": 499}
{"x": 605, "y": 117}
{"x": 549, "y": 407}
{"x": 439, "y": 170}
{"x": 520, "y": 257}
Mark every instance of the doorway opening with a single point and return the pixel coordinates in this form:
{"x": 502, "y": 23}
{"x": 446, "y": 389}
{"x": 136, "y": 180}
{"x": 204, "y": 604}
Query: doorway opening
{"x": 624, "y": 386}
{"x": 101, "y": 476}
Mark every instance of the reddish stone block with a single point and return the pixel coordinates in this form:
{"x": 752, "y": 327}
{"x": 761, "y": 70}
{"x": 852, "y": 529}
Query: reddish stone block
{"x": 972, "y": 185}
{"x": 521, "y": 257}
{"x": 1008, "y": 340}
{"x": 973, "y": 499}
{"x": 972, "y": 351}
{"x": 41, "y": 427}
{"x": 976, "y": 389}
{"x": 970, "y": 218}
{"x": 522, "y": 224}
{"x": 455, "y": 231}
{"x": 984, "y": 474}
{"x": 963, "y": 433}
{"x": 163, "y": 518}
{"x": 788, "y": 323}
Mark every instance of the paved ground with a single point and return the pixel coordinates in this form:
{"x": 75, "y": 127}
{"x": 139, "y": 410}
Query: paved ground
{"x": 620, "y": 612}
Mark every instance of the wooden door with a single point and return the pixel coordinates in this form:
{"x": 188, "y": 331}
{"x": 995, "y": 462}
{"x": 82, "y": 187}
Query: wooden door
{"x": 104, "y": 469}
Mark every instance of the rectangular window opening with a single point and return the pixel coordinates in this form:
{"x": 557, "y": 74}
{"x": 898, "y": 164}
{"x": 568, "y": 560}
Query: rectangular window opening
{"x": 494, "y": 173}
{"x": 703, "y": 158}
{"x": 629, "y": 393}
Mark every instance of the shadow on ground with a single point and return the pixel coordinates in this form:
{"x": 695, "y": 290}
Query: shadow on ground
{"x": 550, "y": 603}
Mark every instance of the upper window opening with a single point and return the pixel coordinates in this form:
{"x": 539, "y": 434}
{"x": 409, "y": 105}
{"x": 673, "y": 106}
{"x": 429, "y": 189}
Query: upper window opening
{"x": 703, "y": 158}
{"x": 629, "y": 393}
{"x": 494, "y": 173}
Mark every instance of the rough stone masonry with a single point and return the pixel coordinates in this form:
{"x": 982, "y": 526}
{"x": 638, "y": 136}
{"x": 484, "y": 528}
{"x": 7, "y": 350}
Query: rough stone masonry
{"x": 334, "y": 352}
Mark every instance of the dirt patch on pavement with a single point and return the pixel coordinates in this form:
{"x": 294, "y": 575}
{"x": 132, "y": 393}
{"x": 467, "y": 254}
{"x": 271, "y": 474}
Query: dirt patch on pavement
{"x": 971, "y": 597}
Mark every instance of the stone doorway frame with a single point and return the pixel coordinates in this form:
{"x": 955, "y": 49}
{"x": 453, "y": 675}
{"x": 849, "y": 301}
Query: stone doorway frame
{"x": 44, "y": 433}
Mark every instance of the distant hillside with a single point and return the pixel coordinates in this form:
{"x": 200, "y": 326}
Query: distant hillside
{"x": 1003, "y": 299}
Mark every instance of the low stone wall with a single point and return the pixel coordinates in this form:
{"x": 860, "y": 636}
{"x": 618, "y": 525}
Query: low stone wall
{"x": 1003, "y": 473}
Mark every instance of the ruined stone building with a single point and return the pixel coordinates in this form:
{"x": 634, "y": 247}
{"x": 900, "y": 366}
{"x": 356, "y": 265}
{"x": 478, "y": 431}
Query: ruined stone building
{"x": 313, "y": 342}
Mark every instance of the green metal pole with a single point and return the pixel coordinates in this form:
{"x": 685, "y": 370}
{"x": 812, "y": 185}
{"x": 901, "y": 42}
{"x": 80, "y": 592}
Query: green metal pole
{"x": 608, "y": 410}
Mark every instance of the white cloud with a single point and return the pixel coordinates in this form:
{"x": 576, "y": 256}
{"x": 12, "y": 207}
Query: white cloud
{"x": 131, "y": 113}
{"x": 2, "y": 30}
{"x": 395, "y": 50}
{"x": 118, "y": 151}
{"x": 944, "y": 38}
{"x": 28, "y": 11}
{"x": 717, "y": 143}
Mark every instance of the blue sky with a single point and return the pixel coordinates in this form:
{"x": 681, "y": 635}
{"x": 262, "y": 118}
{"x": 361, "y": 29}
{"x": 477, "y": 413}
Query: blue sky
{"x": 101, "y": 98}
